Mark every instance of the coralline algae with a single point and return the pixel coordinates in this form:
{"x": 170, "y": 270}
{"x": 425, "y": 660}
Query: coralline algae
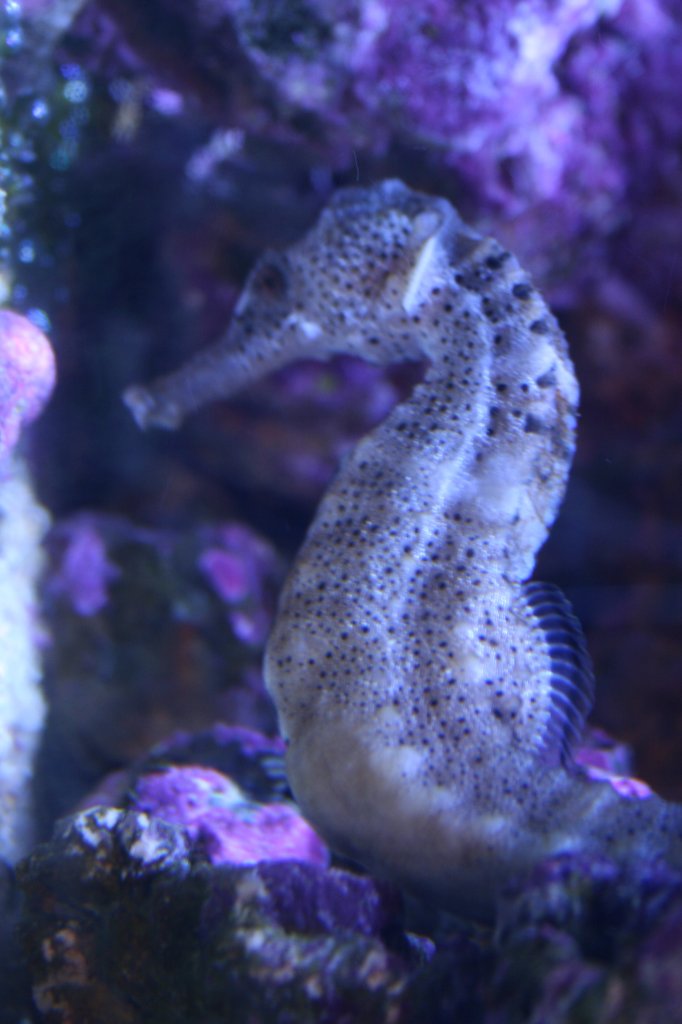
{"x": 27, "y": 375}
{"x": 221, "y": 818}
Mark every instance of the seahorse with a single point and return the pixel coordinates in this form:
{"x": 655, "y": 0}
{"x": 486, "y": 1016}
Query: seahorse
{"x": 429, "y": 694}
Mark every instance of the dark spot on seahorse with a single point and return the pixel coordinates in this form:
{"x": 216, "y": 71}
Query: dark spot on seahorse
{"x": 534, "y": 425}
{"x": 522, "y": 291}
{"x": 271, "y": 281}
{"x": 495, "y": 262}
{"x": 547, "y": 379}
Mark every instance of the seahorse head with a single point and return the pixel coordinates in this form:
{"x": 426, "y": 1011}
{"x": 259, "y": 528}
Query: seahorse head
{"x": 370, "y": 257}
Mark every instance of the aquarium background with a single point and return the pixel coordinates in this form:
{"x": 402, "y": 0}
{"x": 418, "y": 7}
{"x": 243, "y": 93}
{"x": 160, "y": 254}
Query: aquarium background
{"x": 149, "y": 153}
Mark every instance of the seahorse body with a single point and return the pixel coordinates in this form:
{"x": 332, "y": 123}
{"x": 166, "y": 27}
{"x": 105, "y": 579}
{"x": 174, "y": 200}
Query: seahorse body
{"x": 429, "y": 695}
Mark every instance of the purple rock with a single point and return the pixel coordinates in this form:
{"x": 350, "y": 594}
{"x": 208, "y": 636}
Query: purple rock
{"x": 240, "y": 567}
{"x": 85, "y": 571}
{"x": 221, "y": 819}
{"x": 192, "y": 777}
{"x": 140, "y": 648}
{"x": 254, "y": 761}
{"x": 227, "y": 572}
{"x": 123, "y": 924}
{"x": 581, "y": 941}
{"x": 606, "y": 758}
{"x": 313, "y": 902}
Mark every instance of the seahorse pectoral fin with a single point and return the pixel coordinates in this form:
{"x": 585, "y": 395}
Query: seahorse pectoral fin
{"x": 571, "y": 677}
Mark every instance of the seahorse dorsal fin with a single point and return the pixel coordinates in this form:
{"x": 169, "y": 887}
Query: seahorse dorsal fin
{"x": 572, "y": 679}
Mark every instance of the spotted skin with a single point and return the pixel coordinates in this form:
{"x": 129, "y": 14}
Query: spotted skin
{"x": 428, "y": 694}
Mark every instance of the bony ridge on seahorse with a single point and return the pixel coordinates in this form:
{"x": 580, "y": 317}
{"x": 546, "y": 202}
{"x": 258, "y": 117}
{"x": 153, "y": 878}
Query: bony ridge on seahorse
{"x": 430, "y": 696}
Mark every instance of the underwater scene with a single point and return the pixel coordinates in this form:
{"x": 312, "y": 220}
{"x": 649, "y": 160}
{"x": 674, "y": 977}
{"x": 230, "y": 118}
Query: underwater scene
{"x": 340, "y": 512}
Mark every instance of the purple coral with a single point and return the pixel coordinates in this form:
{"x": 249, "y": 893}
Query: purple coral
{"x": 224, "y": 821}
{"x": 85, "y": 571}
{"x": 607, "y": 759}
{"x": 240, "y": 566}
{"x": 27, "y": 375}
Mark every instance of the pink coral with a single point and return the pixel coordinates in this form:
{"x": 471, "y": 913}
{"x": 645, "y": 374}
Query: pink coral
{"x": 27, "y": 375}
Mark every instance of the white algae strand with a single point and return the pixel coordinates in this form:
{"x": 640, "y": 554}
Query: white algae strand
{"x": 27, "y": 376}
{"x": 429, "y": 694}
{"x": 22, "y": 707}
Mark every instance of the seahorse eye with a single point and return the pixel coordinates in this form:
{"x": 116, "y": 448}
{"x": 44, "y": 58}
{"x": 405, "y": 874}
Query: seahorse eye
{"x": 271, "y": 282}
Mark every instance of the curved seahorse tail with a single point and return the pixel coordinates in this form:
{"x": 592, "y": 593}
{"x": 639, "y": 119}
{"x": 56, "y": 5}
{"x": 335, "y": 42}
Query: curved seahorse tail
{"x": 620, "y": 818}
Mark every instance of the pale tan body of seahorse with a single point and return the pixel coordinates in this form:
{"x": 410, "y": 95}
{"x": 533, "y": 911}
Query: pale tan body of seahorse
{"x": 428, "y": 694}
